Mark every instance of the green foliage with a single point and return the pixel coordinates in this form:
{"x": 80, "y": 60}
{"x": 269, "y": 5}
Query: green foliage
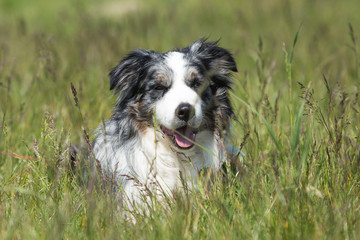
{"x": 300, "y": 178}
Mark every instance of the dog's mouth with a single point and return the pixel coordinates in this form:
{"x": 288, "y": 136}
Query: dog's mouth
{"x": 183, "y": 137}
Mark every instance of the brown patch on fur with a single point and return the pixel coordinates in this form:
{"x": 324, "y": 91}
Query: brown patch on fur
{"x": 163, "y": 80}
{"x": 141, "y": 126}
{"x": 134, "y": 113}
{"x": 191, "y": 75}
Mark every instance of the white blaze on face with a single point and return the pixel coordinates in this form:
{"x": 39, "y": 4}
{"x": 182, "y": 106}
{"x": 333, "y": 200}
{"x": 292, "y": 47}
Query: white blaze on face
{"x": 178, "y": 93}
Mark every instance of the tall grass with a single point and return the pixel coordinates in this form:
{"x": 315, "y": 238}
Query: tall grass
{"x": 297, "y": 122}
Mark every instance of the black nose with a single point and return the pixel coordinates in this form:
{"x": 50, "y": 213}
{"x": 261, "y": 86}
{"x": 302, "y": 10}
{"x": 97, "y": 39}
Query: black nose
{"x": 185, "y": 111}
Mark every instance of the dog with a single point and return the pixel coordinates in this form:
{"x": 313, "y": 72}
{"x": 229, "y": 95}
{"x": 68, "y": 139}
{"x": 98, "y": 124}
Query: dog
{"x": 170, "y": 120}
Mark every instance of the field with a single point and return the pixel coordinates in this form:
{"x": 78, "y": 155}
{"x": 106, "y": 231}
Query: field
{"x": 296, "y": 98}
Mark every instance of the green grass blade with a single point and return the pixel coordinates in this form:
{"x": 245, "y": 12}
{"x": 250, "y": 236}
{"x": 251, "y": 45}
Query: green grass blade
{"x": 295, "y": 136}
{"x": 294, "y": 43}
{"x": 288, "y": 64}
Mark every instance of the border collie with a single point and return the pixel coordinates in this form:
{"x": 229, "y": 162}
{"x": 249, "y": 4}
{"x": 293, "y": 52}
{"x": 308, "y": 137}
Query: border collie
{"x": 169, "y": 122}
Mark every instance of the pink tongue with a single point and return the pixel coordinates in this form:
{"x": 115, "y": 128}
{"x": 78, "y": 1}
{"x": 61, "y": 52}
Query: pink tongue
{"x": 182, "y": 141}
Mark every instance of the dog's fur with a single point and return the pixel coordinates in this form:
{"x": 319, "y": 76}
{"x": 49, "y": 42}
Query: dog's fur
{"x": 169, "y": 120}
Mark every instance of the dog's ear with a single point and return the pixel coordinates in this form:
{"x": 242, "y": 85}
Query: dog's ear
{"x": 215, "y": 59}
{"x": 125, "y": 76}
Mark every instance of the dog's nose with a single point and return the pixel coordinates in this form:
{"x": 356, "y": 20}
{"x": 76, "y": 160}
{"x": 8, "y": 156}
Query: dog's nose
{"x": 185, "y": 111}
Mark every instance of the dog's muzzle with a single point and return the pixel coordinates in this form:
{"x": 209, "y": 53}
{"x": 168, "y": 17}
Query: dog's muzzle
{"x": 184, "y": 135}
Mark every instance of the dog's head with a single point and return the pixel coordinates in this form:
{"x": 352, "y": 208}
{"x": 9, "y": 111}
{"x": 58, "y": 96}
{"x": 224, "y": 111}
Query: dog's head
{"x": 183, "y": 91}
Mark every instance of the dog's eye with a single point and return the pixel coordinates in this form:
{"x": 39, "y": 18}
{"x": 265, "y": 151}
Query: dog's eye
{"x": 195, "y": 84}
{"x": 160, "y": 87}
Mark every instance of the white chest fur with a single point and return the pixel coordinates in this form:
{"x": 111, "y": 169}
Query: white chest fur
{"x": 150, "y": 162}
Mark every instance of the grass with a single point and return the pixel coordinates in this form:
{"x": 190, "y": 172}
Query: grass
{"x": 298, "y": 125}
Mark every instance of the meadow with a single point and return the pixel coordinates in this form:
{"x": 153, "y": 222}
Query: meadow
{"x": 296, "y": 98}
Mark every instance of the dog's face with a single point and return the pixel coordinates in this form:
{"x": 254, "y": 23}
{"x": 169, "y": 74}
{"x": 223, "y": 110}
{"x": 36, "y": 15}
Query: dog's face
{"x": 183, "y": 92}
